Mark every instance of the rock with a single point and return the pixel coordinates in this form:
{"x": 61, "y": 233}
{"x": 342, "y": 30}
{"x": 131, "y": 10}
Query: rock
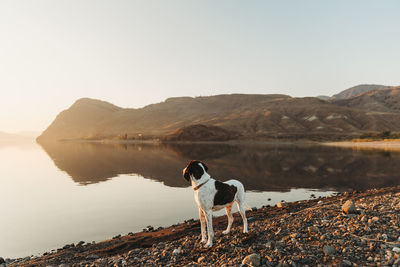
{"x": 313, "y": 229}
{"x": 329, "y": 250}
{"x": 375, "y": 219}
{"x": 349, "y": 207}
{"x": 269, "y": 245}
{"x": 282, "y": 204}
{"x": 252, "y": 260}
{"x": 92, "y": 257}
{"x": 347, "y": 263}
{"x": 177, "y": 251}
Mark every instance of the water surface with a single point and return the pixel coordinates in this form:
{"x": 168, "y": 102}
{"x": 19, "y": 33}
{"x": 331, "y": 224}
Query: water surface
{"x": 59, "y": 193}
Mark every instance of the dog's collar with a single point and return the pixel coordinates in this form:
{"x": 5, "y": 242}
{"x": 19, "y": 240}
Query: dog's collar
{"x": 200, "y": 185}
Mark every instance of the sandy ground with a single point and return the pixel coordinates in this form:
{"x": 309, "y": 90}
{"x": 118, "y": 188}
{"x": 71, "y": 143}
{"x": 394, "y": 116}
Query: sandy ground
{"x": 382, "y": 145}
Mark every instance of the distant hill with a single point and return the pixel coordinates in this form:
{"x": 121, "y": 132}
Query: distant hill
{"x": 250, "y": 117}
{"x": 324, "y": 97}
{"x": 4, "y": 135}
{"x": 10, "y": 136}
{"x": 383, "y": 100}
{"x": 357, "y": 90}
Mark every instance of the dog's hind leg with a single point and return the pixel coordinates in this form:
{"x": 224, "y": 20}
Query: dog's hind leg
{"x": 242, "y": 211}
{"x": 228, "y": 210}
{"x": 210, "y": 230}
{"x": 203, "y": 226}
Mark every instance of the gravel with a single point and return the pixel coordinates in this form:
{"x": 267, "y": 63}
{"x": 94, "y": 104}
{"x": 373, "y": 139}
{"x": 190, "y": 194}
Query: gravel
{"x": 303, "y": 233}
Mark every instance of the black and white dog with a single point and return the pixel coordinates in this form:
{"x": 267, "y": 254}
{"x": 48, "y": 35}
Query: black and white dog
{"x": 212, "y": 195}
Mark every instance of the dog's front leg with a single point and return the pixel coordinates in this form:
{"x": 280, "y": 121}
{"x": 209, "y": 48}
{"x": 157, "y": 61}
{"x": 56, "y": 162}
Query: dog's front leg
{"x": 202, "y": 226}
{"x": 208, "y": 214}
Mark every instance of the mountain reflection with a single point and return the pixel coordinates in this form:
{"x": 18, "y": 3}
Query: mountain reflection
{"x": 259, "y": 167}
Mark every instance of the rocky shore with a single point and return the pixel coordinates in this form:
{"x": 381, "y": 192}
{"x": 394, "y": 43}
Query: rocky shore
{"x": 347, "y": 229}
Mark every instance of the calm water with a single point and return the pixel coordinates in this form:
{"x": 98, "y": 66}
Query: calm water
{"x": 55, "y": 194}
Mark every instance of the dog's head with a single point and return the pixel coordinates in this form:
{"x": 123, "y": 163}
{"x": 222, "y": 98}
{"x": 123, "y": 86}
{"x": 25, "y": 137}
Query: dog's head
{"x": 194, "y": 169}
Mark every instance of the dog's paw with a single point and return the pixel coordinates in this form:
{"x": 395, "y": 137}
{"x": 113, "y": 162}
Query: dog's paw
{"x": 208, "y": 245}
{"x": 226, "y": 232}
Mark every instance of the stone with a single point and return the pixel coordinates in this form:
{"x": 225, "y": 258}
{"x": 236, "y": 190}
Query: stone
{"x": 282, "y": 204}
{"x": 92, "y": 257}
{"x": 252, "y": 260}
{"x": 329, "y": 250}
{"x": 269, "y": 245}
{"x": 375, "y": 219}
{"x": 201, "y": 259}
{"x": 347, "y": 263}
{"x": 313, "y": 229}
{"x": 349, "y": 207}
{"x": 177, "y": 251}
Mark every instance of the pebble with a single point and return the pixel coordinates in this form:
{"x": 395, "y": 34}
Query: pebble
{"x": 281, "y": 204}
{"x": 252, "y": 260}
{"x": 347, "y": 263}
{"x": 349, "y": 207}
{"x": 305, "y": 235}
{"x": 92, "y": 257}
{"x": 329, "y": 250}
{"x": 177, "y": 251}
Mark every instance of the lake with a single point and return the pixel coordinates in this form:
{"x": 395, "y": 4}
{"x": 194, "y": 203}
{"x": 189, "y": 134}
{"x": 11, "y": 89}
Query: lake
{"x": 61, "y": 193}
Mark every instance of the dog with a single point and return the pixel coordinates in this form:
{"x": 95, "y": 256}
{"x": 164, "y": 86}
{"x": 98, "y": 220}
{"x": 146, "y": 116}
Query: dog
{"x": 212, "y": 195}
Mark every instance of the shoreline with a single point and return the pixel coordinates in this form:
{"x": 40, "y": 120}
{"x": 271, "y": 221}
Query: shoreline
{"x": 160, "y": 142}
{"x": 376, "y": 145}
{"x": 306, "y": 232}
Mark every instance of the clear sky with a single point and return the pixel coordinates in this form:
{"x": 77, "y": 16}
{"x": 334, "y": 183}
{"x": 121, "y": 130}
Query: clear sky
{"x": 133, "y": 53}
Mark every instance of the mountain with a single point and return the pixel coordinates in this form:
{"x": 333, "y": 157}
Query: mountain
{"x": 237, "y": 116}
{"x": 357, "y": 90}
{"x": 383, "y": 100}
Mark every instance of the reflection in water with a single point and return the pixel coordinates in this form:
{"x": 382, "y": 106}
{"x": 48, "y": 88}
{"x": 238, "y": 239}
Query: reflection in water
{"x": 259, "y": 167}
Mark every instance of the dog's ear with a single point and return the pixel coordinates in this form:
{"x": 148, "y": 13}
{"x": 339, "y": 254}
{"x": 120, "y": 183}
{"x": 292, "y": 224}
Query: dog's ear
{"x": 186, "y": 174}
{"x": 205, "y": 166}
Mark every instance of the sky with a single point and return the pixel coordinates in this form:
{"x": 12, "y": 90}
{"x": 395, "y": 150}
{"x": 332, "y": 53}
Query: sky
{"x": 134, "y": 53}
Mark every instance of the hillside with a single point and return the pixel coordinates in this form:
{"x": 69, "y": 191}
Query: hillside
{"x": 357, "y": 90}
{"x": 250, "y": 117}
{"x": 383, "y": 100}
